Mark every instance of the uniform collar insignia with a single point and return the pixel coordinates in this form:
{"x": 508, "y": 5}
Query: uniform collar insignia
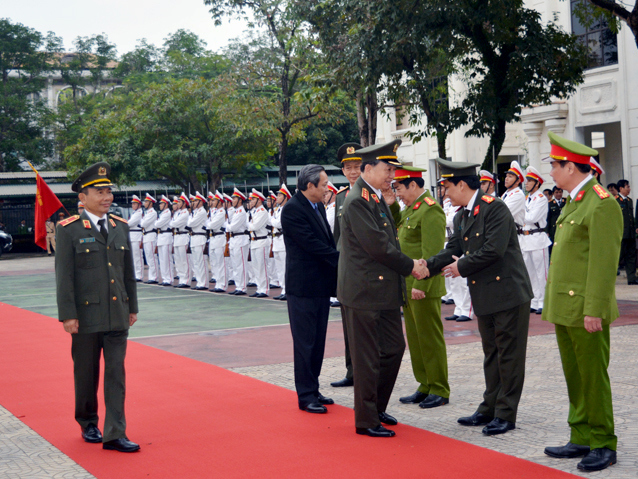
{"x": 580, "y": 195}
{"x": 476, "y": 210}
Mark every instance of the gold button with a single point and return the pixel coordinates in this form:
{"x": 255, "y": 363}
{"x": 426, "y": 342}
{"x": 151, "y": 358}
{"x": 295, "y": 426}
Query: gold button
{"x": 380, "y": 277}
{"x": 87, "y": 250}
{"x": 109, "y": 264}
{"x": 473, "y": 282}
{"x": 560, "y": 225}
{"x": 555, "y": 243}
{"x": 498, "y": 278}
{"x": 86, "y": 303}
{"x": 385, "y": 224}
{"x": 571, "y": 222}
{"x": 467, "y": 252}
{"x": 408, "y": 226}
{"x": 114, "y": 298}
{"x": 466, "y": 238}
{"x": 551, "y": 262}
{"x": 112, "y": 281}
{"x": 571, "y": 293}
{"x": 108, "y": 247}
{"x": 477, "y": 234}
{"x": 122, "y": 247}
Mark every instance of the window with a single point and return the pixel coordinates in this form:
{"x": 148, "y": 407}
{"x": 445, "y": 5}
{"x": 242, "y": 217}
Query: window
{"x": 599, "y": 39}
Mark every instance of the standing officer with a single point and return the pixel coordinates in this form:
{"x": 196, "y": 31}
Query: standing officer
{"x": 371, "y": 289}
{"x": 581, "y": 301}
{"x": 278, "y": 245}
{"x": 485, "y": 235}
{"x": 351, "y": 169}
{"x": 80, "y": 207}
{"x": 273, "y": 279}
{"x": 165, "y": 241}
{"x": 514, "y": 197}
{"x": 150, "y": 238}
{"x": 628, "y": 245}
{"x": 181, "y": 242}
{"x": 534, "y": 241}
{"x": 555, "y": 206}
{"x": 135, "y": 233}
{"x": 197, "y": 223}
{"x": 217, "y": 241}
{"x": 50, "y": 238}
{"x": 488, "y": 182}
{"x": 259, "y": 243}
{"x": 97, "y": 303}
{"x": 421, "y": 227}
{"x": 239, "y": 241}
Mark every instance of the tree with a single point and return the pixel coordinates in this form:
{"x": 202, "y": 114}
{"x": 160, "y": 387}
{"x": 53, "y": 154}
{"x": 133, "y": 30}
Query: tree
{"x": 24, "y": 116}
{"x": 613, "y": 12}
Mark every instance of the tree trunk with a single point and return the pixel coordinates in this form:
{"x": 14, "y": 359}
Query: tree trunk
{"x": 362, "y": 122}
{"x": 496, "y": 143}
{"x": 372, "y": 118}
{"x": 441, "y": 136}
{"x": 283, "y": 161}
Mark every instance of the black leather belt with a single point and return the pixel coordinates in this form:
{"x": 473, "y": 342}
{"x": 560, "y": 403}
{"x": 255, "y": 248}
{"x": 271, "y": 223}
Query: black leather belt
{"x": 149, "y": 232}
{"x": 277, "y": 235}
{"x": 181, "y": 232}
{"x": 136, "y": 230}
{"x": 531, "y": 232}
{"x": 199, "y": 234}
{"x": 232, "y": 235}
{"x": 259, "y": 238}
{"x": 165, "y": 231}
{"x": 216, "y": 234}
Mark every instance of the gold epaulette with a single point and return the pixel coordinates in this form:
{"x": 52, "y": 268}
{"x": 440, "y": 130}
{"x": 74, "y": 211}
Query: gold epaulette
{"x": 69, "y": 220}
{"x": 429, "y": 201}
{"x": 115, "y": 217}
{"x": 487, "y": 198}
{"x": 341, "y": 190}
{"x": 365, "y": 194}
{"x": 600, "y": 191}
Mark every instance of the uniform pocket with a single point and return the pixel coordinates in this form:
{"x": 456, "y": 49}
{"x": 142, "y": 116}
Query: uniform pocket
{"x": 87, "y": 255}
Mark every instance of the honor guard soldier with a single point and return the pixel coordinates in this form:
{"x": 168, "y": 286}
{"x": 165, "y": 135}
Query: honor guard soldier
{"x": 80, "y": 207}
{"x": 165, "y": 241}
{"x": 273, "y": 279}
{"x": 488, "y": 182}
{"x": 181, "y": 241}
{"x": 596, "y": 169}
{"x": 278, "y": 245}
{"x": 485, "y": 235}
{"x": 217, "y": 241}
{"x": 351, "y": 168}
{"x": 135, "y": 232}
{"x": 197, "y": 224}
{"x": 514, "y": 197}
{"x": 175, "y": 204}
{"x": 239, "y": 243}
{"x": 259, "y": 243}
{"x": 459, "y": 292}
{"x": 230, "y": 271}
{"x": 534, "y": 240}
{"x": 421, "y": 230}
{"x": 628, "y": 245}
{"x": 209, "y": 199}
{"x": 97, "y": 303}
{"x": 150, "y": 238}
{"x": 581, "y": 302}
{"x": 330, "y": 203}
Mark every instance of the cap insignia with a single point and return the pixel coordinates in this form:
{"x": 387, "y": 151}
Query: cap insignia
{"x": 101, "y": 171}
{"x": 350, "y": 150}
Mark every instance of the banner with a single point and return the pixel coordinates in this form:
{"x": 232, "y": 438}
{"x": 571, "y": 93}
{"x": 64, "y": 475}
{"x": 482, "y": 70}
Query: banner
{"x": 46, "y": 203}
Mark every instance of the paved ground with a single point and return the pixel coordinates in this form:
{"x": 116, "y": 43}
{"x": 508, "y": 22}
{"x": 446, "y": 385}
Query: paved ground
{"x": 251, "y": 337}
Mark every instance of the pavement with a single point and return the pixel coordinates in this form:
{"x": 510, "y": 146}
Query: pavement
{"x": 251, "y": 337}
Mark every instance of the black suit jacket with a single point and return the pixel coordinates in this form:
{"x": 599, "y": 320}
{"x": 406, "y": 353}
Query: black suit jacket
{"x": 311, "y": 252}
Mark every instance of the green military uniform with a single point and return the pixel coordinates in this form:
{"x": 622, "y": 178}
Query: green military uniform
{"x": 500, "y": 289}
{"x": 581, "y": 282}
{"x": 96, "y": 285}
{"x": 628, "y": 245}
{"x": 371, "y": 287}
{"x": 421, "y": 228}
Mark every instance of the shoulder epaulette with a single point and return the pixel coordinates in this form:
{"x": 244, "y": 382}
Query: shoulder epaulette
{"x": 69, "y": 220}
{"x": 600, "y": 191}
{"x": 365, "y": 194}
{"x": 487, "y": 198}
{"x": 115, "y": 217}
{"x": 341, "y": 190}
{"x": 429, "y": 201}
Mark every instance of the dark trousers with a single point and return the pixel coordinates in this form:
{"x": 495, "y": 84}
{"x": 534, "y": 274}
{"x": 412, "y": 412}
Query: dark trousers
{"x": 347, "y": 344}
{"x": 628, "y": 254}
{"x": 86, "y": 350}
{"x": 377, "y": 347}
{"x": 504, "y": 339}
{"x": 308, "y": 324}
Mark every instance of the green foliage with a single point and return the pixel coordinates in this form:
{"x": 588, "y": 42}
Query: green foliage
{"x": 24, "y": 116}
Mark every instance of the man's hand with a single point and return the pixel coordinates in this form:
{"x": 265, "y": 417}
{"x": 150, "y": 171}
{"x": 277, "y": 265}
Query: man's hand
{"x": 452, "y": 270}
{"x": 132, "y": 318}
{"x": 593, "y": 324}
{"x": 420, "y": 270}
{"x": 417, "y": 294}
{"x": 389, "y": 196}
{"x": 71, "y": 326}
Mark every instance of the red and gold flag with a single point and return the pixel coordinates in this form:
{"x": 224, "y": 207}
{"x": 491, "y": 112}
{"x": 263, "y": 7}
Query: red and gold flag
{"x": 46, "y": 203}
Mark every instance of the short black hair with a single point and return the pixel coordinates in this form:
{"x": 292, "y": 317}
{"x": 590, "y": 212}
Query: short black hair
{"x": 622, "y": 183}
{"x": 473, "y": 182}
{"x": 547, "y": 190}
{"x": 555, "y": 188}
{"x": 406, "y": 182}
{"x": 309, "y": 174}
{"x": 612, "y": 185}
{"x": 579, "y": 166}
{"x": 369, "y": 162}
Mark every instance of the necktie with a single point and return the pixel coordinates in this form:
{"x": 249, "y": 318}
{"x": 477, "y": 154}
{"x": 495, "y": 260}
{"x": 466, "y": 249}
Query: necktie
{"x": 103, "y": 230}
{"x": 323, "y": 225}
{"x": 466, "y": 215}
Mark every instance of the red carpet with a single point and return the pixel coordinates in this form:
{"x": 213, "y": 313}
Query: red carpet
{"x": 195, "y": 420}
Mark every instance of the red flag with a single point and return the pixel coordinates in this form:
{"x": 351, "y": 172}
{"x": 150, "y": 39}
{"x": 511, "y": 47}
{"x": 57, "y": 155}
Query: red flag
{"x": 46, "y": 203}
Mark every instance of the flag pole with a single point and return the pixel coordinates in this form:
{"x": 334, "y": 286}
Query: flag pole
{"x": 36, "y": 177}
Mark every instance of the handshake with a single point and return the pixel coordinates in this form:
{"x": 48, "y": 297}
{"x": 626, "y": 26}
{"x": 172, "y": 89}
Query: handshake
{"x": 420, "y": 270}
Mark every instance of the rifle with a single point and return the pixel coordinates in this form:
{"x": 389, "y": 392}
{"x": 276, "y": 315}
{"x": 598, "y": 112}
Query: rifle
{"x": 227, "y": 247}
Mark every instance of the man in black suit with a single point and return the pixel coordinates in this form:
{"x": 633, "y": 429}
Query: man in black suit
{"x": 311, "y": 279}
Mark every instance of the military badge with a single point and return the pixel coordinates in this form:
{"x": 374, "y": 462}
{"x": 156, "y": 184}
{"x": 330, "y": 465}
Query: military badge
{"x": 87, "y": 224}
{"x": 396, "y": 147}
{"x": 375, "y": 198}
{"x": 101, "y": 171}
{"x": 487, "y": 198}
{"x": 365, "y": 194}
{"x": 601, "y": 192}
{"x": 350, "y": 150}
{"x": 112, "y": 222}
{"x": 416, "y": 206}
{"x": 476, "y": 210}
{"x": 429, "y": 201}
{"x": 580, "y": 195}
{"x": 87, "y": 240}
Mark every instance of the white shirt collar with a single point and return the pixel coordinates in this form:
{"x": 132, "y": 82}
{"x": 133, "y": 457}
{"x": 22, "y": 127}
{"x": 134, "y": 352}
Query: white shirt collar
{"x": 575, "y": 191}
{"x": 94, "y": 219}
{"x": 471, "y": 202}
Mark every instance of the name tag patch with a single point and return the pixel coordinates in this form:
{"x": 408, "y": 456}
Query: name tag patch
{"x": 87, "y": 240}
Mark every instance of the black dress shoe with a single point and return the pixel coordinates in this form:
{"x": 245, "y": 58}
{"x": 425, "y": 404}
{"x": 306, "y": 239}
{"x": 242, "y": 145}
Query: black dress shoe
{"x": 261, "y": 295}
{"x": 138, "y": 280}
{"x": 415, "y": 398}
{"x": 273, "y": 286}
{"x": 385, "y": 418}
{"x": 167, "y": 284}
{"x": 233, "y": 292}
{"x": 122, "y": 445}
{"x": 321, "y": 399}
{"x": 443, "y": 301}
{"x": 532, "y": 310}
{"x": 454, "y": 317}
{"x": 282, "y": 297}
{"x": 343, "y": 383}
{"x": 378, "y": 431}
{"x": 450, "y": 301}
{"x": 278, "y": 297}
{"x": 151, "y": 282}
{"x": 212, "y": 280}
{"x": 200, "y": 288}
{"x": 91, "y": 434}
{"x": 539, "y": 311}
{"x": 252, "y": 285}
{"x": 632, "y": 282}
{"x": 335, "y": 304}
{"x": 567, "y": 451}
{"x": 462, "y": 319}
{"x": 182, "y": 285}
{"x": 218, "y": 290}
{"x": 433, "y": 401}
{"x": 231, "y": 282}
{"x": 240, "y": 293}
{"x": 476, "y": 419}
{"x": 498, "y": 426}
{"x": 254, "y": 295}
{"x": 597, "y": 460}
{"x": 314, "y": 407}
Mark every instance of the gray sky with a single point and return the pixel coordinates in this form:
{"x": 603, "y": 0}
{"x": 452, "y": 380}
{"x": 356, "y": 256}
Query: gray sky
{"x": 123, "y": 21}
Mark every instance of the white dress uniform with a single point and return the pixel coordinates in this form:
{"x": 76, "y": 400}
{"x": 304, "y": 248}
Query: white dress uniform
{"x": 515, "y": 201}
{"x": 279, "y": 247}
{"x": 180, "y": 244}
{"x": 447, "y": 205}
{"x": 239, "y": 244}
{"x": 150, "y": 242}
{"x": 135, "y": 233}
{"x": 197, "y": 224}
{"x": 534, "y": 245}
{"x": 216, "y": 246}
{"x": 260, "y": 247}
{"x": 165, "y": 245}
{"x": 458, "y": 286}
{"x": 250, "y": 270}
